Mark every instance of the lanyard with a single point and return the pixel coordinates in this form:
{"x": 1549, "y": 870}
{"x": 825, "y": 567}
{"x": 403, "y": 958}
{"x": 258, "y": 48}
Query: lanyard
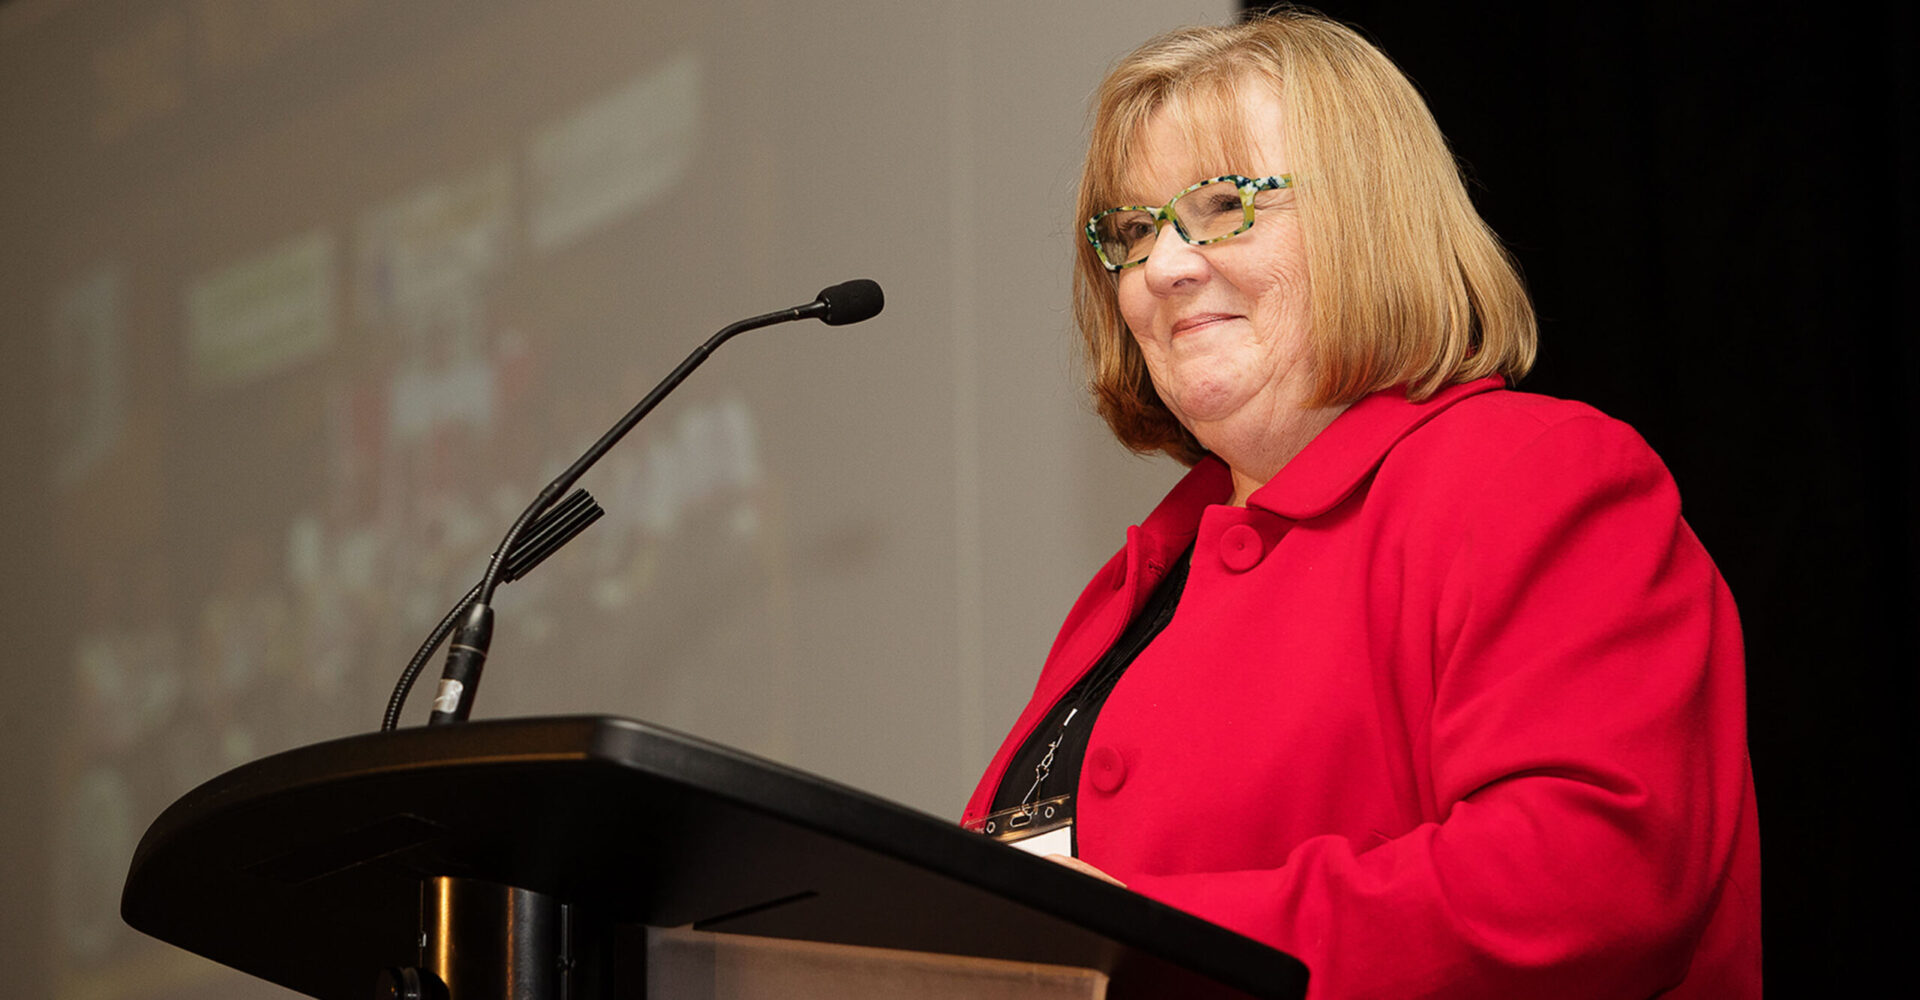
{"x": 1099, "y": 681}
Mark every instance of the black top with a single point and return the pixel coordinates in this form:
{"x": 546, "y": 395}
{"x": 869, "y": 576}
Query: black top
{"x": 1071, "y": 720}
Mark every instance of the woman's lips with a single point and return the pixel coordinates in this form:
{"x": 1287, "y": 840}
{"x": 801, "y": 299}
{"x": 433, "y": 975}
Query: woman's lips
{"x": 1196, "y": 322}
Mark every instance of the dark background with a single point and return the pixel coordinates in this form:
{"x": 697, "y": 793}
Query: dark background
{"x": 1714, "y": 208}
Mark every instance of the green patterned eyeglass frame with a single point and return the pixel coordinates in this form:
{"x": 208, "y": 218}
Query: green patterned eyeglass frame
{"x": 1164, "y": 214}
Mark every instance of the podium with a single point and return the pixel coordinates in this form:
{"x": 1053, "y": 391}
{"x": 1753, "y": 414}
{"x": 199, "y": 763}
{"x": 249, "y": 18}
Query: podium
{"x": 528, "y": 857}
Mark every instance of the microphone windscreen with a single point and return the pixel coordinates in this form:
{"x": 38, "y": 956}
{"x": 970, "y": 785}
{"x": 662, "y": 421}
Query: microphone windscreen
{"x": 851, "y": 301}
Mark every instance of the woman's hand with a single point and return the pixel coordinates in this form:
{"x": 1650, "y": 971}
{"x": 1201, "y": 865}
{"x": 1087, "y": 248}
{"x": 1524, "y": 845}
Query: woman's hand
{"x": 1085, "y": 869}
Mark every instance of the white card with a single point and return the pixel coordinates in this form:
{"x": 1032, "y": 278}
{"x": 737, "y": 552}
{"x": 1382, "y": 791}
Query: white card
{"x": 1058, "y": 840}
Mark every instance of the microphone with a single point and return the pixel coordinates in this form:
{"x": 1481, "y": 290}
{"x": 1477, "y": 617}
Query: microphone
{"x": 847, "y": 302}
{"x": 836, "y": 305}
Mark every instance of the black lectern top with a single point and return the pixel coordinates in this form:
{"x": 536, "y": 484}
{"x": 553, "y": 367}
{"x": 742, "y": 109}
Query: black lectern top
{"x": 305, "y": 868}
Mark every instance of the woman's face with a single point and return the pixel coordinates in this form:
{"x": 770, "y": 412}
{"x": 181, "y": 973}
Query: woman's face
{"x": 1224, "y": 327}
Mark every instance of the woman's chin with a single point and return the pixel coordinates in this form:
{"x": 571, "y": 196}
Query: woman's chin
{"x": 1207, "y": 405}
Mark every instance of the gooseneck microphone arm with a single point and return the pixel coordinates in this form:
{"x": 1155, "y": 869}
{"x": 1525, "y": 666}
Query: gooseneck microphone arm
{"x": 848, "y": 302}
{"x": 548, "y": 533}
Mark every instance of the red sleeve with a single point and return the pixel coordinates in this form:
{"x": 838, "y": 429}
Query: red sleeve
{"x": 1588, "y": 752}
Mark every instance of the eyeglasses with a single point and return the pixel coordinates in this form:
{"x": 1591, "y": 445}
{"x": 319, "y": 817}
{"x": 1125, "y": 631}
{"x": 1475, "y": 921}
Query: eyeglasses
{"x": 1208, "y": 212}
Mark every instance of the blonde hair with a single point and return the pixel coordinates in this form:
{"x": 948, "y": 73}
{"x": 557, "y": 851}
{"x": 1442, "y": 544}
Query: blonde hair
{"x": 1409, "y": 287}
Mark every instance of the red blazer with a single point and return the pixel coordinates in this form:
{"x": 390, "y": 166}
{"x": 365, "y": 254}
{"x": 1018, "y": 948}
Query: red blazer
{"x": 1454, "y": 706}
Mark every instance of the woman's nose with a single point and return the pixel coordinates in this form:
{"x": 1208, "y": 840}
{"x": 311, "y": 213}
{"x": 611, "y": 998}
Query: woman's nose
{"x": 1173, "y": 261}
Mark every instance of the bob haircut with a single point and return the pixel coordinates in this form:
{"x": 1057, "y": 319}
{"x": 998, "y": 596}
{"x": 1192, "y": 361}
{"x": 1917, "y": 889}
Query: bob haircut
{"x": 1409, "y": 287}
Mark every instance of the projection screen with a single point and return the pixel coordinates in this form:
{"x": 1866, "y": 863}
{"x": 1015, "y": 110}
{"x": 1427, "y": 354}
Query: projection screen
{"x": 306, "y": 298}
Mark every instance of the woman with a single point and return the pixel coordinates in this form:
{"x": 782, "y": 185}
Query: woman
{"x": 1415, "y": 677}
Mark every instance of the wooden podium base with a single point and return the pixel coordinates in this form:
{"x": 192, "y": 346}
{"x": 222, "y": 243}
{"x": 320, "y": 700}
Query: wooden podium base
{"x": 691, "y": 965}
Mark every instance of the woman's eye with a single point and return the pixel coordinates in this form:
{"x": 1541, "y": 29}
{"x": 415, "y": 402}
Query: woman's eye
{"x": 1225, "y": 204}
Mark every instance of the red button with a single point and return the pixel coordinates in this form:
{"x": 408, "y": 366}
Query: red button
{"x": 1106, "y": 769}
{"x": 1241, "y": 548}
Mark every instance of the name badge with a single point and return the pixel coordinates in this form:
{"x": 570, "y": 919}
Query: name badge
{"x": 1040, "y": 828}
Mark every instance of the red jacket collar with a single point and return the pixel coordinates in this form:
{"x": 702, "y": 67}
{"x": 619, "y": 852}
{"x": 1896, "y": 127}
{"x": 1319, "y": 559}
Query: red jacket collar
{"x": 1329, "y": 468}
{"x": 1339, "y": 458}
